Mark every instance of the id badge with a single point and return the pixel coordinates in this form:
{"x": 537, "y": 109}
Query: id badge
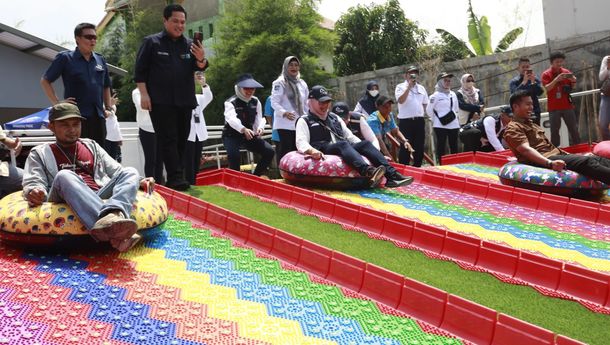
{"x": 558, "y": 95}
{"x": 197, "y": 119}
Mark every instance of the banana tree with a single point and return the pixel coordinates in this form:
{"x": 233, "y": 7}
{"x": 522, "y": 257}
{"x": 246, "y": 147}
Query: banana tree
{"x": 479, "y": 37}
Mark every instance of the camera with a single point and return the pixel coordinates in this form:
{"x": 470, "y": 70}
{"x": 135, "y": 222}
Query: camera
{"x": 413, "y": 76}
{"x": 529, "y": 71}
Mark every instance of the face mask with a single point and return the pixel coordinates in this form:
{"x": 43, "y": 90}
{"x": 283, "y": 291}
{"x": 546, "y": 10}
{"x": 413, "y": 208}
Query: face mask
{"x": 373, "y": 93}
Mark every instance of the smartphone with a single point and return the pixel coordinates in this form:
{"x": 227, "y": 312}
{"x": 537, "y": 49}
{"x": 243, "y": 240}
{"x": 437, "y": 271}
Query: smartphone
{"x": 198, "y": 36}
{"x": 529, "y": 71}
{"x": 569, "y": 75}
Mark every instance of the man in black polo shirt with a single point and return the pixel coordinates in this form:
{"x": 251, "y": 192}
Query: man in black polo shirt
{"x": 164, "y": 75}
{"x": 86, "y": 82}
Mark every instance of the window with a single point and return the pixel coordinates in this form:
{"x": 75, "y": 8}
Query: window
{"x": 211, "y": 27}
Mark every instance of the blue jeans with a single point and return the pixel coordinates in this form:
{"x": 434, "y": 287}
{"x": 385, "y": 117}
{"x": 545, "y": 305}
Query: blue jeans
{"x": 351, "y": 154}
{"x": 12, "y": 182}
{"x": 256, "y": 145}
{"x": 88, "y": 204}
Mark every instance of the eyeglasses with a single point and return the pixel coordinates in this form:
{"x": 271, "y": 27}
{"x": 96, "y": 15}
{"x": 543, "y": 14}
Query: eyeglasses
{"x": 89, "y": 37}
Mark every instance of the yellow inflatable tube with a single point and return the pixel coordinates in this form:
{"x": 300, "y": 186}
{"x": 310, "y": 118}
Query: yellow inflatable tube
{"x": 17, "y": 219}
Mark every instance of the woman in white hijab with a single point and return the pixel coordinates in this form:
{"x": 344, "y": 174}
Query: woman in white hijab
{"x": 442, "y": 110}
{"x": 289, "y": 101}
{"x": 470, "y": 100}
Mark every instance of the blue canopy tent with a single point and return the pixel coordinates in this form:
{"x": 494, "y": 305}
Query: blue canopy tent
{"x": 38, "y": 120}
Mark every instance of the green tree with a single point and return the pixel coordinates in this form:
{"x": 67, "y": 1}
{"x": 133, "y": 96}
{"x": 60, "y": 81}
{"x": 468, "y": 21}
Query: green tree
{"x": 373, "y": 37}
{"x": 255, "y": 36}
{"x": 137, "y": 25}
{"x": 479, "y": 37}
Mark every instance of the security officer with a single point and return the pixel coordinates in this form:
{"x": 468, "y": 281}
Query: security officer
{"x": 486, "y": 134}
{"x": 164, "y": 75}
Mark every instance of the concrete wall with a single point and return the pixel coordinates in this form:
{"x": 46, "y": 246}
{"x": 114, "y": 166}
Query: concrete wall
{"x": 20, "y": 84}
{"x": 568, "y": 18}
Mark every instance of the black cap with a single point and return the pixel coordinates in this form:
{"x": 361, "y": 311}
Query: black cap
{"x": 383, "y": 100}
{"x": 319, "y": 93}
{"x": 412, "y": 69}
{"x": 506, "y": 110}
{"x": 246, "y": 80}
{"x": 444, "y": 75}
{"x": 62, "y": 111}
{"x": 341, "y": 109}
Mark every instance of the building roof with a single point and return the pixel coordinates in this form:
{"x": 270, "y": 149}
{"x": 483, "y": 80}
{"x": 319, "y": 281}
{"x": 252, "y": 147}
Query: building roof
{"x": 36, "y": 46}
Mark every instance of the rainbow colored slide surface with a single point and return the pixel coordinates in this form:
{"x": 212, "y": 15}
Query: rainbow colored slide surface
{"x": 563, "y": 238}
{"x": 185, "y": 285}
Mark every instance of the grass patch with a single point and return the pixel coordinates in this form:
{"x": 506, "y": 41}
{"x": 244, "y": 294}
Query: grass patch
{"x": 564, "y": 317}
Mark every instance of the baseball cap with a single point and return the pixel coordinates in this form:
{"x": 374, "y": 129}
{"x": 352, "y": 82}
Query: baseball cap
{"x": 383, "y": 100}
{"x": 507, "y": 110}
{"x": 62, "y": 111}
{"x": 444, "y": 75}
{"x": 319, "y": 93}
{"x": 246, "y": 80}
{"x": 341, "y": 109}
{"x": 412, "y": 69}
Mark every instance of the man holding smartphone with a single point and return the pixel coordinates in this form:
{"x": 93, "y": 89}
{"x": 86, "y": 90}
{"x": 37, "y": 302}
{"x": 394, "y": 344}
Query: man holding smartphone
{"x": 559, "y": 82}
{"x": 412, "y": 101}
{"x": 527, "y": 80}
{"x": 164, "y": 75}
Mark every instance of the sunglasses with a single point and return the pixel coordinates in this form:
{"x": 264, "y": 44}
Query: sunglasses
{"x": 90, "y": 37}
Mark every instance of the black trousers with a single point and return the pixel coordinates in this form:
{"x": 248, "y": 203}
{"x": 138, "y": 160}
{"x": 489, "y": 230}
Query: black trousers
{"x": 172, "y": 125}
{"x": 415, "y": 131}
{"x": 595, "y": 167}
{"x": 192, "y": 159}
{"x": 442, "y": 136}
{"x": 114, "y": 150}
{"x": 256, "y": 145}
{"x": 351, "y": 154}
{"x": 152, "y": 166}
{"x": 94, "y": 128}
{"x": 287, "y": 143}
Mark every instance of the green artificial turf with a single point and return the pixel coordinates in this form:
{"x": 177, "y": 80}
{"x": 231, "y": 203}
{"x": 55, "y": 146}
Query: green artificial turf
{"x": 564, "y": 317}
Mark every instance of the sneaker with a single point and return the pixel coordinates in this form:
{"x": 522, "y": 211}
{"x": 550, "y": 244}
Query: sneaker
{"x": 114, "y": 225}
{"x": 125, "y": 244}
{"x": 375, "y": 175}
{"x": 397, "y": 180}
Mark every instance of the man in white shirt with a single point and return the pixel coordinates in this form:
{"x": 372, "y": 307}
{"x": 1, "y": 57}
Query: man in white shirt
{"x": 412, "y": 101}
{"x": 321, "y": 132}
{"x": 486, "y": 134}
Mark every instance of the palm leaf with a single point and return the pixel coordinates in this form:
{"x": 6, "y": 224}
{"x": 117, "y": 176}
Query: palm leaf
{"x": 474, "y": 36}
{"x": 508, "y": 39}
{"x": 456, "y": 44}
{"x": 479, "y": 32}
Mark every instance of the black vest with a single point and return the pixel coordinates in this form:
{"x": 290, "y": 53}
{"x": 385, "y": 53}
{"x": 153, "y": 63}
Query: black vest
{"x": 319, "y": 133}
{"x": 246, "y": 113}
{"x": 354, "y": 124}
{"x": 478, "y": 124}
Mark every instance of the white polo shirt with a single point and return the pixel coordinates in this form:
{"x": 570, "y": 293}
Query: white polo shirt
{"x": 415, "y": 102}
